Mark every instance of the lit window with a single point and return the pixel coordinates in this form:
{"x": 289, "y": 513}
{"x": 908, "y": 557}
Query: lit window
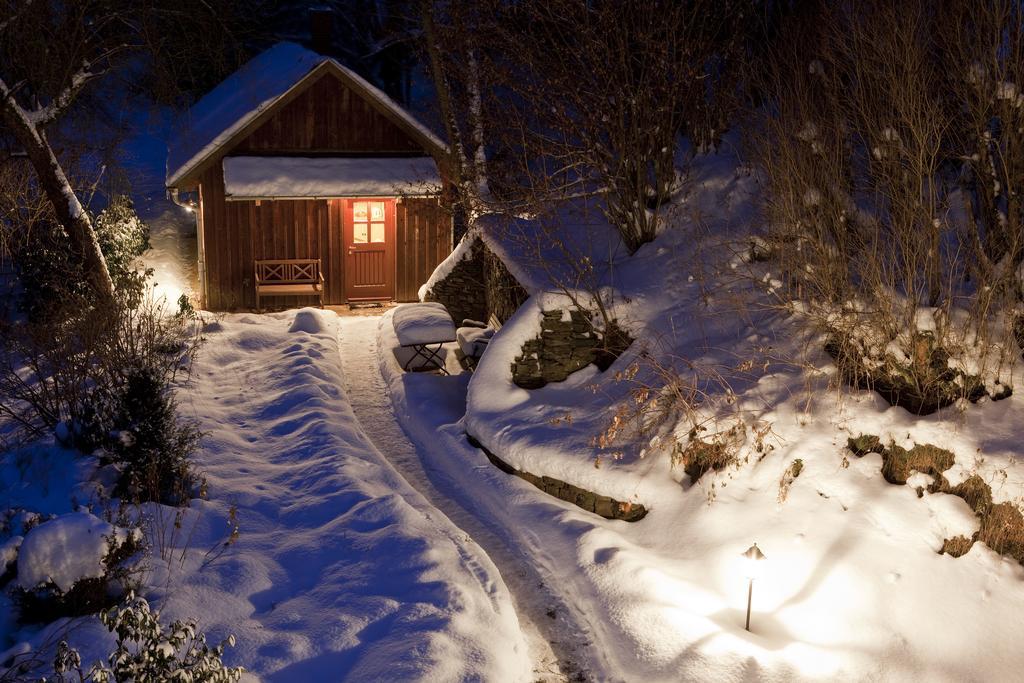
{"x": 368, "y": 222}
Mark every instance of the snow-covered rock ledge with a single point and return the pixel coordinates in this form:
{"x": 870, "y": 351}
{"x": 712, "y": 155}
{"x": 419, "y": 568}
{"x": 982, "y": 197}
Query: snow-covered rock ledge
{"x": 605, "y": 506}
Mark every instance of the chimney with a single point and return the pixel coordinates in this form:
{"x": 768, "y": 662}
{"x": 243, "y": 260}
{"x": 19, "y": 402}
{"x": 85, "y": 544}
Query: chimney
{"x": 321, "y": 29}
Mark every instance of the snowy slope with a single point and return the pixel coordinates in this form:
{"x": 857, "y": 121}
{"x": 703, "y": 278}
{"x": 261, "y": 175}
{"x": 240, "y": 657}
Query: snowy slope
{"x": 854, "y": 587}
{"x": 340, "y": 570}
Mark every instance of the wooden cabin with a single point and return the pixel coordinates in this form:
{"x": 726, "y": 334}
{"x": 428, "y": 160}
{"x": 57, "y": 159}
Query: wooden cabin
{"x": 296, "y": 159}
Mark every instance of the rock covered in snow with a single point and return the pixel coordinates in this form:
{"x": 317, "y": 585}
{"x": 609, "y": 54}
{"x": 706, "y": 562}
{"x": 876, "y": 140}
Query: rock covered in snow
{"x": 66, "y": 550}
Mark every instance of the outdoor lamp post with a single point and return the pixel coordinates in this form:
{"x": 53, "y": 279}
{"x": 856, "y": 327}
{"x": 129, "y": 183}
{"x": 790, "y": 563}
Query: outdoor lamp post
{"x": 753, "y": 559}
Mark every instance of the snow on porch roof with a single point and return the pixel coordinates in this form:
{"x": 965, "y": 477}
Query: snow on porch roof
{"x": 244, "y": 95}
{"x": 305, "y": 177}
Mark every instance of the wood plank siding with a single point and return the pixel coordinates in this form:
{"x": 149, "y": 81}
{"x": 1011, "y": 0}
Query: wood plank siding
{"x": 327, "y": 117}
{"x": 324, "y": 118}
{"x": 424, "y": 239}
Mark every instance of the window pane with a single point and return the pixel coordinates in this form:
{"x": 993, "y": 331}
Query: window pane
{"x": 376, "y": 232}
{"x": 376, "y": 211}
{"x": 359, "y": 235}
{"x": 359, "y": 211}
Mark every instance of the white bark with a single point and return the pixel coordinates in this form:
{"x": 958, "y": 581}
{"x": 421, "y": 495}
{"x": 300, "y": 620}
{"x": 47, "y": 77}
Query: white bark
{"x": 28, "y": 128}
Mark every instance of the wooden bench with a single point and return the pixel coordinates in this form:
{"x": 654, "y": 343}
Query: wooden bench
{"x": 289, "y": 277}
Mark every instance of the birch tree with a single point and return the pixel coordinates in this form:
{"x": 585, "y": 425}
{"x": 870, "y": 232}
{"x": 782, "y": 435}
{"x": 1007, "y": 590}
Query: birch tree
{"x": 452, "y": 35}
{"x": 50, "y": 52}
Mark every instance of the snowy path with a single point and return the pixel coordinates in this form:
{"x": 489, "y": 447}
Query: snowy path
{"x": 341, "y": 569}
{"x": 556, "y": 645}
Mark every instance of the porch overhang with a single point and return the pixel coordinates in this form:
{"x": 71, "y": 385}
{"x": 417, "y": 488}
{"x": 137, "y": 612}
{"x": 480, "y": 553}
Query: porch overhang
{"x": 248, "y": 178}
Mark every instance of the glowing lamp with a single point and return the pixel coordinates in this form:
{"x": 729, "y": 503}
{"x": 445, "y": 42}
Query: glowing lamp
{"x": 753, "y": 564}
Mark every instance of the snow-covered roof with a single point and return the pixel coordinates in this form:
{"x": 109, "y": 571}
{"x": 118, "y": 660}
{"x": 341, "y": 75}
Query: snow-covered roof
{"x": 555, "y": 249}
{"x": 249, "y": 92}
{"x": 308, "y": 177}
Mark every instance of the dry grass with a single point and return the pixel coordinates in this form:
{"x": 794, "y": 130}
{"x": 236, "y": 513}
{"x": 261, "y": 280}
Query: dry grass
{"x": 898, "y": 462}
{"x": 864, "y": 444}
{"x": 926, "y": 458}
{"x": 1002, "y": 524}
{"x": 788, "y": 477}
{"x": 975, "y": 492}
{"x": 700, "y": 456}
{"x": 957, "y": 546}
{"x": 1002, "y": 530}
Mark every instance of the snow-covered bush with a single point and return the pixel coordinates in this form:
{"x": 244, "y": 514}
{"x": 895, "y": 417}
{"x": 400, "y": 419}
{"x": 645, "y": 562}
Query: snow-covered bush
{"x": 51, "y": 279}
{"x": 123, "y": 237}
{"x": 148, "y": 651}
{"x": 150, "y": 445}
{"x": 103, "y": 380}
{"x": 74, "y": 564}
{"x": 913, "y": 371}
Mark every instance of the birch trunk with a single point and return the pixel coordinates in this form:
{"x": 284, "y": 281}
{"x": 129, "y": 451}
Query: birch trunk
{"x": 66, "y": 206}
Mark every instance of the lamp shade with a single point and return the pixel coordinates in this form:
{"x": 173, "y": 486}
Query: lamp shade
{"x": 753, "y": 561}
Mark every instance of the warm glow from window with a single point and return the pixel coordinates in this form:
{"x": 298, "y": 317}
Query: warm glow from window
{"x": 368, "y": 222}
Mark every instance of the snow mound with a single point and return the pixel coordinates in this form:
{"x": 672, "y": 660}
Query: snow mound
{"x": 66, "y": 550}
{"x": 855, "y": 586}
{"x": 307, "y": 320}
{"x": 9, "y": 552}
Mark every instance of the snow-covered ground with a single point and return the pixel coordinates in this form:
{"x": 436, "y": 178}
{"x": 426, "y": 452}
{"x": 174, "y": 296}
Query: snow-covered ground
{"x": 556, "y": 654}
{"x": 854, "y": 587}
{"x": 368, "y": 554}
{"x": 340, "y": 569}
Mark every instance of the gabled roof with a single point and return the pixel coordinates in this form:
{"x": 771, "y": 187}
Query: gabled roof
{"x": 252, "y": 91}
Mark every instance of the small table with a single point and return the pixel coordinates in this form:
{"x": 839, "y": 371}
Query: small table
{"x": 424, "y": 328}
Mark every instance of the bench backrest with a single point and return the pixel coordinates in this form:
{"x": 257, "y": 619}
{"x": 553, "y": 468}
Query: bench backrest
{"x": 288, "y": 271}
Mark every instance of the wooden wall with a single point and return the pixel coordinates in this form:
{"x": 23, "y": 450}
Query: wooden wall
{"x": 238, "y": 233}
{"x": 328, "y": 117}
{"x": 325, "y": 118}
{"x": 424, "y": 237}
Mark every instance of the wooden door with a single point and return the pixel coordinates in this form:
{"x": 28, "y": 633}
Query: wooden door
{"x": 369, "y": 249}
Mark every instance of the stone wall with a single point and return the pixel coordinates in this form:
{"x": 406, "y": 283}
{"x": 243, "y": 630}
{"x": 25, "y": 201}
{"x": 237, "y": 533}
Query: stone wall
{"x": 479, "y": 287}
{"x": 462, "y": 291}
{"x": 502, "y": 291}
{"x": 605, "y": 506}
{"x": 566, "y": 343}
